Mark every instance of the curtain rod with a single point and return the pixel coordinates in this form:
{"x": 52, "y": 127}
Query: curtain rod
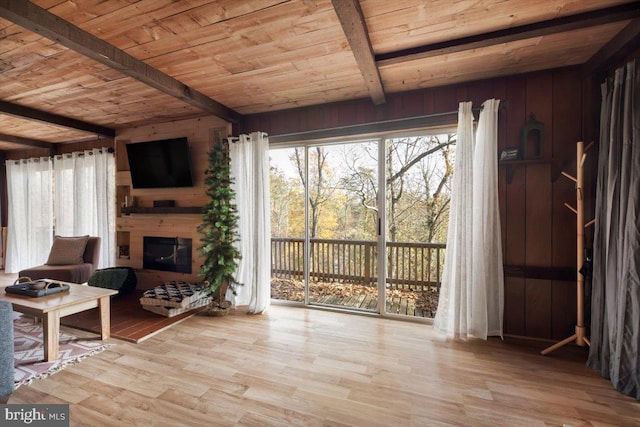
{"x": 382, "y": 126}
{"x": 234, "y": 139}
{"x": 379, "y": 127}
{"x": 503, "y": 106}
{"x": 82, "y": 153}
{"x": 47, "y": 158}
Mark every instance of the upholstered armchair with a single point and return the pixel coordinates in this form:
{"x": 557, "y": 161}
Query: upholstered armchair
{"x": 7, "y": 373}
{"x": 71, "y": 259}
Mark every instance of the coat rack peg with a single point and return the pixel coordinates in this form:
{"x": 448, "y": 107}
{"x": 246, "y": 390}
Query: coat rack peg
{"x": 588, "y": 147}
{"x": 571, "y": 208}
{"x": 571, "y": 177}
{"x": 590, "y": 223}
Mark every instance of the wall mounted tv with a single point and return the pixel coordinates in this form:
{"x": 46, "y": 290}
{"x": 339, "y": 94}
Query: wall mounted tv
{"x": 160, "y": 164}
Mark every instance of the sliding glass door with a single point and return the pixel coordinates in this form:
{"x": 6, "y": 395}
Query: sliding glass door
{"x": 343, "y": 225}
{"x": 338, "y": 241}
{"x": 418, "y": 171}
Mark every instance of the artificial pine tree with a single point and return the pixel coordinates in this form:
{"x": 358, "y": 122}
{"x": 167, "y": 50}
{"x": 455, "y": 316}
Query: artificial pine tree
{"x": 219, "y": 228}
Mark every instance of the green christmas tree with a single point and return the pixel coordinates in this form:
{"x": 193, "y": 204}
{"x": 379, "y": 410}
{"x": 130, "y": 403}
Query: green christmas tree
{"x": 219, "y": 228}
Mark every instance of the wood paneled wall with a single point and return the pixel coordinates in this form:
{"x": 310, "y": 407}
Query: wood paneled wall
{"x": 537, "y": 230}
{"x": 132, "y": 228}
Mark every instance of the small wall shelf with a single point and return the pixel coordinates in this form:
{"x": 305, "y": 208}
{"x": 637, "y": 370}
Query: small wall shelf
{"x": 123, "y": 192}
{"x": 512, "y": 165}
{"x": 162, "y": 210}
{"x": 123, "y": 241}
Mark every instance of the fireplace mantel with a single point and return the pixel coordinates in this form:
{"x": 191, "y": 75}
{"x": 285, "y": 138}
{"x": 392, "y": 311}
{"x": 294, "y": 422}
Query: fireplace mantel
{"x": 162, "y": 210}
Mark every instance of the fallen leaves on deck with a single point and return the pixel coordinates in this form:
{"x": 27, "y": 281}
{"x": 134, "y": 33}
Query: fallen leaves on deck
{"x": 293, "y": 290}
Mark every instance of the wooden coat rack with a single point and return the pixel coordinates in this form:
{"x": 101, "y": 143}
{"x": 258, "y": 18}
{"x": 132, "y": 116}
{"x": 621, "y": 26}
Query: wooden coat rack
{"x": 580, "y": 336}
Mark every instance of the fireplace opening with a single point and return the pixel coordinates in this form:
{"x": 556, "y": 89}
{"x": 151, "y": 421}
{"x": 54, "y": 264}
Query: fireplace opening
{"x": 167, "y": 254}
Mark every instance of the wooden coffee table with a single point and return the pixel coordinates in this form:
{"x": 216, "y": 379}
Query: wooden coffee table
{"x": 52, "y": 307}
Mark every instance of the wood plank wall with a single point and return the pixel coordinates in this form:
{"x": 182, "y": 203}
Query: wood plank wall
{"x": 131, "y": 229}
{"x": 537, "y": 230}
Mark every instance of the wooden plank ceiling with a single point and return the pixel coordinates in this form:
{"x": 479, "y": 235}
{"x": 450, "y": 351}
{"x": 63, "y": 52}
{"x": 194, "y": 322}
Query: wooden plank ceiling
{"x": 263, "y": 55}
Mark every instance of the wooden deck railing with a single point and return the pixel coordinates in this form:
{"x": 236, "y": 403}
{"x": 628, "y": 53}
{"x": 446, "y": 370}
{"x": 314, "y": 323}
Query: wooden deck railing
{"x": 409, "y": 265}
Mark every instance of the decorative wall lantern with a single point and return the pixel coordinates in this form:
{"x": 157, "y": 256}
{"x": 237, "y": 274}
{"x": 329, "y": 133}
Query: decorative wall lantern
{"x": 532, "y": 139}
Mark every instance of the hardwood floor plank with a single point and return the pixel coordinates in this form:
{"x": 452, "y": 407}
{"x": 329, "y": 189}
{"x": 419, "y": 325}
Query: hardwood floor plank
{"x": 92, "y": 418}
{"x": 352, "y": 412}
{"x": 69, "y": 389}
{"x": 295, "y": 366}
{"x": 122, "y": 378}
{"x": 551, "y": 394}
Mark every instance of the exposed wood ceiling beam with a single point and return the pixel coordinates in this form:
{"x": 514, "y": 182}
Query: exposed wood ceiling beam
{"x": 355, "y": 28}
{"x": 39, "y": 20}
{"x": 616, "y": 50}
{"x": 79, "y": 140}
{"x": 36, "y": 143}
{"x": 538, "y": 29}
{"x": 21, "y": 111}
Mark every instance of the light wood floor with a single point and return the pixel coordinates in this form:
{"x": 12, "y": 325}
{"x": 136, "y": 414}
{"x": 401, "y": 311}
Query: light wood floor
{"x": 297, "y": 366}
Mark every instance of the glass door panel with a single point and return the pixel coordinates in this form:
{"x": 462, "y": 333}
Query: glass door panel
{"x": 287, "y": 224}
{"x": 418, "y": 181}
{"x": 343, "y": 218}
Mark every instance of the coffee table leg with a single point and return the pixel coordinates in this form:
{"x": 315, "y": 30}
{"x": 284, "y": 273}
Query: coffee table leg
{"x": 51, "y": 329}
{"x": 105, "y": 317}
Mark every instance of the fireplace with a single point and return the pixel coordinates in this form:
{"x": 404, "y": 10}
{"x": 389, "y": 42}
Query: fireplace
{"x": 167, "y": 254}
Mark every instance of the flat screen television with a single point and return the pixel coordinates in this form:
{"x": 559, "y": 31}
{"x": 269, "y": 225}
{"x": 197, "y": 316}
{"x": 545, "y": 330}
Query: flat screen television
{"x": 160, "y": 164}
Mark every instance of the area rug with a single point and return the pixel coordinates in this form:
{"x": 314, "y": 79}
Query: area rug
{"x": 29, "y": 351}
{"x": 129, "y": 321}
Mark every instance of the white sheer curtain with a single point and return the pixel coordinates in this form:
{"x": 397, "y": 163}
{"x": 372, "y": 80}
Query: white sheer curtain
{"x": 85, "y": 198}
{"x": 250, "y": 171}
{"x": 30, "y": 213}
{"x": 487, "y": 273}
{"x": 471, "y": 296}
{"x": 453, "y": 317}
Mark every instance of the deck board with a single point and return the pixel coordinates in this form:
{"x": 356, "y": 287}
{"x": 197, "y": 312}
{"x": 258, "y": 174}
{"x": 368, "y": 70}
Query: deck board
{"x": 396, "y": 305}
